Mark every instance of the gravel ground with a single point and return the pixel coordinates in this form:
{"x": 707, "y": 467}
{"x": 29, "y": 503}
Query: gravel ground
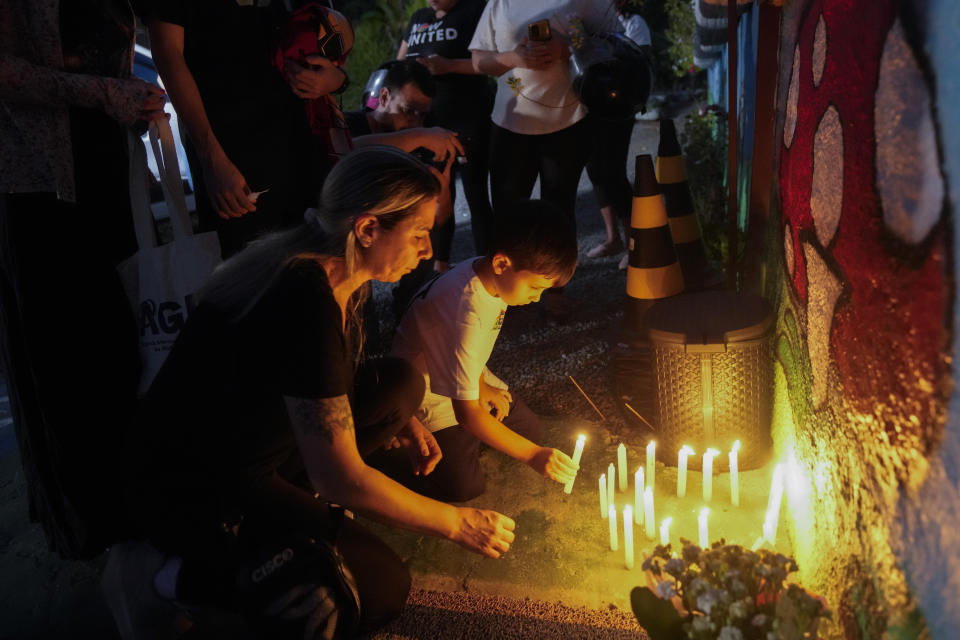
{"x": 433, "y": 615}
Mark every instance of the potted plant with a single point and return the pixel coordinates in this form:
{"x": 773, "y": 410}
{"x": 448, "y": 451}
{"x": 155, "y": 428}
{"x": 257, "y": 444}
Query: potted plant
{"x": 725, "y": 592}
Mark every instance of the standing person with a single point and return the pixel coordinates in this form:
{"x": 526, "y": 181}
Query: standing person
{"x": 67, "y": 99}
{"x": 438, "y": 37}
{"x": 246, "y": 124}
{"x": 607, "y": 164}
{"x": 540, "y": 127}
{"x": 257, "y": 409}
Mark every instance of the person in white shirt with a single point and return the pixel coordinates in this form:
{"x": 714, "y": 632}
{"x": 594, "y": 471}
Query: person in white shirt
{"x": 540, "y": 127}
{"x": 448, "y": 333}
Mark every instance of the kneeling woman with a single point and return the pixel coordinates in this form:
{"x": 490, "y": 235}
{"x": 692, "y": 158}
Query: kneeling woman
{"x": 258, "y": 408}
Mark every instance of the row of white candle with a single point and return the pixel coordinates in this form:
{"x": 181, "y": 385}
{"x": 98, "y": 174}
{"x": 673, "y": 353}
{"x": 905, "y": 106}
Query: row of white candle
{"x": 644, "y": 481}
{"x": 643, "y": 489}
{"x": 628, "y": 523}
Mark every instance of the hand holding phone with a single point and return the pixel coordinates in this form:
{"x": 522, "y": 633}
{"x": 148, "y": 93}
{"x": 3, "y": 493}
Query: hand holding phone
{"x": 539, "y": 31}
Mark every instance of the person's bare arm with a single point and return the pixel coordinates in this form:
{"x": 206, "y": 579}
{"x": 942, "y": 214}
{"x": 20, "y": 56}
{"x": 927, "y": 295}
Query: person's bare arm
{"x": 402, "y": 51}
{"x": 325, "y": 435}
{"x": 438, "y": 65}
{"x": 226, "y": 186}
{"x": 526, "y": 55}
{"x": 321, "y": 78}
{"x": 126, "y": 100}
{"x": 442, "y": 142}
{"x": 493, "y": 63}
{"x": 476, "y": 419}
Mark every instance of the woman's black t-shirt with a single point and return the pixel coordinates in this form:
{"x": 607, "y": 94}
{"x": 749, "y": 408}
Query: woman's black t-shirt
{"x": 449, "y": 37}
{"x": 215, "y": 416}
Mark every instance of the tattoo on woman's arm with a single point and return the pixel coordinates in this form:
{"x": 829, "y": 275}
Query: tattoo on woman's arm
{"x": 324, "y": 416}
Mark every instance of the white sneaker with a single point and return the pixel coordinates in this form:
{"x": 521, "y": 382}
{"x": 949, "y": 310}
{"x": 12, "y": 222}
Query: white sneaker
{"x": 139, "y": 612}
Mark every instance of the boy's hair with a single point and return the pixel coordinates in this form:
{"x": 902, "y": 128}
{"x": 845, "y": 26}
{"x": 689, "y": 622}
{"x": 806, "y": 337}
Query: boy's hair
{"x": 537, "y": 236}
{"x": 401, "y": 72}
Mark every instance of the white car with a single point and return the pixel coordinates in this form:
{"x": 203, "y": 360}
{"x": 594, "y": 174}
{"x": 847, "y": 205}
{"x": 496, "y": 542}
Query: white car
{"x": 144, "y": 69}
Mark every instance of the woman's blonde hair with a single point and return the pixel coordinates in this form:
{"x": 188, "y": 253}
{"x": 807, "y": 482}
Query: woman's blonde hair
{"x": 378, "y": 180}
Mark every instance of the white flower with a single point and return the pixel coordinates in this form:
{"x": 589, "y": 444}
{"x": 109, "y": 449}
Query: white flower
{"x": 740, "y": 609}
{"x": 665, "y": 589}
{"x": 759, "y": 620}
{"x": 697, "y": 585}
{"x": 706, "y": 600}
{"x": 701, "y": 625}
{"x": 730, "y": 633}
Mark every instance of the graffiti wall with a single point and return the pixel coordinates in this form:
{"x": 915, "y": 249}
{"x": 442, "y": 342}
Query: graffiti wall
{"x": 865, "y": 418}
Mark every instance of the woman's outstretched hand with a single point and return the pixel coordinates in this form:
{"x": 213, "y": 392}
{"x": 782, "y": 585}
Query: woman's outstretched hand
{"x": 482, "y": 531}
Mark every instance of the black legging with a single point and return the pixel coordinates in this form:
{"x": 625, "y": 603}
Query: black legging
{"x": 474, "y": 174}
{"x": 220, "y": 535}
{"x": 607, "y": 166}
{"x": 557, "y": 158}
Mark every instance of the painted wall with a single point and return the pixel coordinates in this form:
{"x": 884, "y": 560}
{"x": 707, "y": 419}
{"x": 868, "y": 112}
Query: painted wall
{"x": 868, "y": 159}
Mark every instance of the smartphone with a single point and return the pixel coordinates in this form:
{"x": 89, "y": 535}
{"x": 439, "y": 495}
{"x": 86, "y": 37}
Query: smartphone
{"x": 539, "y": 31}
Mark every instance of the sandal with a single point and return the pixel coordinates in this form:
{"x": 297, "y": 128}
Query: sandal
{"x": 605, "y": 249}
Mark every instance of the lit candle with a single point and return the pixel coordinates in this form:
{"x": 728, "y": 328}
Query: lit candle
{"x": 628, "y": 536}
{"x": 610, "y": 483}
{"x": 577, "y": 453}
{"x": 651, "y": 524}
{"x": 702, "y": 522}
{"x": 612, "y": 518}
{"x": 665, "y": 531}
{"x": 651, "y": 462}
{"x": 638, "y": 495}
{"x": 734, "y": 475}
{"x": 773, "y": 505}
{"x": 603, "y": 495}
{"x": 622, "y": 466}
{"x": 685, "y": 451}
{"x": 708, "y": 474}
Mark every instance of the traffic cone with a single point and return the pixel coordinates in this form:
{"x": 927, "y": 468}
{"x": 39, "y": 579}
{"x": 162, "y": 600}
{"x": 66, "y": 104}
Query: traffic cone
{"x": 698, "y": 272}
{"x": 653, "y": 271}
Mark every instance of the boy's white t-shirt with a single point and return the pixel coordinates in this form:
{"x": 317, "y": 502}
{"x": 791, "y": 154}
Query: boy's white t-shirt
{"x": 448, "y": 333}
{"x": 537, "y": 101}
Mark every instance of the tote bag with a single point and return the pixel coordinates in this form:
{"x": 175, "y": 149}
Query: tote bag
{"x": 161, "y": 280}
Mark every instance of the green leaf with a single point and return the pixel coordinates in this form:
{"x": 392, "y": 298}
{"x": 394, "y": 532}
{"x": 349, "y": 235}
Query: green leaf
{"x": 656, "y": 615}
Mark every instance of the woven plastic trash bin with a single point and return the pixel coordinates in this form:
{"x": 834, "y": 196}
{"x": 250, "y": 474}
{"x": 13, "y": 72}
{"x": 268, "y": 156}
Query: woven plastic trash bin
{"x": 712, "y": 361}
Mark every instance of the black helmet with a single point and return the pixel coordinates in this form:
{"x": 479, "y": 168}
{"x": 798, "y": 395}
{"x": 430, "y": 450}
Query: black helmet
{"x": 613, "y": 75}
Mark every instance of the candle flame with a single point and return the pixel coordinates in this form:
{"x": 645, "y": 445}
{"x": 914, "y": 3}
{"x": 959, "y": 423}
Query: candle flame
{"x": 686, "y": 450}
{"x": 712, "y": 452}
{"x": 736, "y": 446}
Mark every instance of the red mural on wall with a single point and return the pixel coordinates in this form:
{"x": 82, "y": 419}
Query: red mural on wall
{"x": 865, "y": 234}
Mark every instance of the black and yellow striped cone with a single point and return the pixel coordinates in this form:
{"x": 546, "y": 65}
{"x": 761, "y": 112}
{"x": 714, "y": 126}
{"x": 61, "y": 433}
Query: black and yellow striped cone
{"x": 653, "y": 272}
{"x": 698, "y": 272}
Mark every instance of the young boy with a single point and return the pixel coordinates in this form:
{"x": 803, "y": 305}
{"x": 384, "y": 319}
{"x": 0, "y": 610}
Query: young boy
{"x": 448, "y": 332}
